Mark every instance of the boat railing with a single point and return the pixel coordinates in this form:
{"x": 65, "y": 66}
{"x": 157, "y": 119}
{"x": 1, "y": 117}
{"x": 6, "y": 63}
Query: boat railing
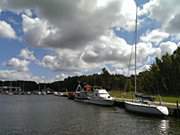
{"x": 145, "y": 97}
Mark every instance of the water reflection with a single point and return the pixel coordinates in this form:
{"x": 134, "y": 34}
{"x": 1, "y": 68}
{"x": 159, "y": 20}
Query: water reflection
{"x": 164, "y": 127}
{"x": 50, "y": 115}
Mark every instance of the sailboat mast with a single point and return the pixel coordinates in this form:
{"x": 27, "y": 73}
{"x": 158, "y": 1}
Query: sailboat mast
{"x": 135, "y": 50}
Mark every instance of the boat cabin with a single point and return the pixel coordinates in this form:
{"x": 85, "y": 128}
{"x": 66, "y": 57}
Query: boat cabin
{"x": 144, "y": 98}
{"x": 101, "y": 93}
{"x": 87, "y": 88}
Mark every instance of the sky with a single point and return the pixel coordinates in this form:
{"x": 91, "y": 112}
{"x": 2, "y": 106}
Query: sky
{"x": 49, "y": 40}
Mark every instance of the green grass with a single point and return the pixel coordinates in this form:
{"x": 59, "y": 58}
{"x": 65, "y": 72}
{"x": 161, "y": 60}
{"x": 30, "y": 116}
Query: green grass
{"x": 168, "y": 99}
{"x": 129, "y": 95}
{"x": 121, "y": 94}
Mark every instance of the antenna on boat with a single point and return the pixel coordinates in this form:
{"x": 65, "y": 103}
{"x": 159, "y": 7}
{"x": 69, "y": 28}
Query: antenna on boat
{"x": 135, "y": 49}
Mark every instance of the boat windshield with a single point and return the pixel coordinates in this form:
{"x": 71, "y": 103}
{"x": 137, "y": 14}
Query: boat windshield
{"x": 144, "y": 97}
{"x": 103, "y": 94}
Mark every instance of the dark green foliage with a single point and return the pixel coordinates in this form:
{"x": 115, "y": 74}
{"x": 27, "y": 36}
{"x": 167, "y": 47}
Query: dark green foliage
{"x": 105, "y": 79}
{"x": 24, "y": 85}
{"x": 162, "y": 78}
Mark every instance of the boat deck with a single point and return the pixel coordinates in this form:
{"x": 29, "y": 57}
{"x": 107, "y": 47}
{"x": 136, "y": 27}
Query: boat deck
{"x": 174, "y": 110}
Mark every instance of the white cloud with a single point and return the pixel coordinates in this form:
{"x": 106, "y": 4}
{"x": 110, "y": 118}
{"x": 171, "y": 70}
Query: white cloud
{"x": 36, "y": 31}
{"x": 74, "y": 23}
{"x": 79, "y": 32}
{"x": 130, "y": 71}
{"x": 27, "y": 54}
{"x": 50, "y": 62}
{"x": 28, "y": 12}
{"x": 148, "y": 7}
{"x": 1, "y": 4}
{"x": 128, "y": 9}
{"x": 168, "y": 47}
{"x": 102, "y": 4}
{"x": 19, "y": 65}
{"x": 108, "y": 50}
{"x": 174, "y": 24}
{"x": 145, "y": 54}
{"x": 167, "y": 12}
{"x": 64, "y": 60}
{"x": 155, "y": 36}
{"x": 19, "y": 75}
{"x": 60, "y": 77}
{"x": 6, "y": 30}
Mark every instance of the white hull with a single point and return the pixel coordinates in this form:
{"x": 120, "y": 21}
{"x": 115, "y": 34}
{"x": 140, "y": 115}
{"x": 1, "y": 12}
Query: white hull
{"x": 101, "y": 102}
{"x": 98, "y": 97}
{"x": 96, "y": 102}
{"x": 80, "y": 100}
{"x": 149, "y": 109}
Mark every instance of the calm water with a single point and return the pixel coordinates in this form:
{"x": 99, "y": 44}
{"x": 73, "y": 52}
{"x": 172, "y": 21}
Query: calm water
{"x": 50, "y": 115}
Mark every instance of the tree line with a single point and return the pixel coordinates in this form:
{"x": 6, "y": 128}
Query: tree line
{"x": 163, "y": 78}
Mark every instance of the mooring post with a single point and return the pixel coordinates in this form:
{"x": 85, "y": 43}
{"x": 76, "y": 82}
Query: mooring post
{"x": 177, "y": 104}
{"x": 178, "y": 109}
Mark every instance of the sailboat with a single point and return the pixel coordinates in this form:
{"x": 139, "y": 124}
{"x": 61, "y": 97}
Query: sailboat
{"x": 143, "y": 104}
{"x": 92, "y": 95}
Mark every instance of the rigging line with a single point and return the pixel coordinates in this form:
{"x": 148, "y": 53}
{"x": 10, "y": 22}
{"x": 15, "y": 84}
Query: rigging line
{"x": 129, "y": 65}
{"x": 135, "y": 49}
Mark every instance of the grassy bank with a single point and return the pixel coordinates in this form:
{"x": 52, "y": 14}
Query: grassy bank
{"x": 129, "y": 95}
{"x": 121, "y": 94}
{"x": 169, "y": 99}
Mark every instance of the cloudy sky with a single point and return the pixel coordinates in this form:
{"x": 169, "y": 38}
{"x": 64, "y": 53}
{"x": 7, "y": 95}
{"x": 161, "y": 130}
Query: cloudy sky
{"x": 47, "y": 40}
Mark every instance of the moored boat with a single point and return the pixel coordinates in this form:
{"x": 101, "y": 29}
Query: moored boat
{"x": 71, "y": 95}
{"x": 100, "y": 97}
{"x": 81, "y": 93}
{"x": 56, "y": 93}
{"x": 97, "y": 96}
{"x": 143, "y": 104}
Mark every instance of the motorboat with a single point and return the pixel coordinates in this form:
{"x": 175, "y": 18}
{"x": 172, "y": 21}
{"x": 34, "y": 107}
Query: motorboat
{"x": 100, "y": 97}
{"x": 81, "y": 93}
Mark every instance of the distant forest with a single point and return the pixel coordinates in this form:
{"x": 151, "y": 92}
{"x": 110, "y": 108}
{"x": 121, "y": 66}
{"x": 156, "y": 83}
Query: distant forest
{"x": 163, "y": 78}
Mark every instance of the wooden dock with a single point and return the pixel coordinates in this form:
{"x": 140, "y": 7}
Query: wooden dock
{"x": 174, "y": 112}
